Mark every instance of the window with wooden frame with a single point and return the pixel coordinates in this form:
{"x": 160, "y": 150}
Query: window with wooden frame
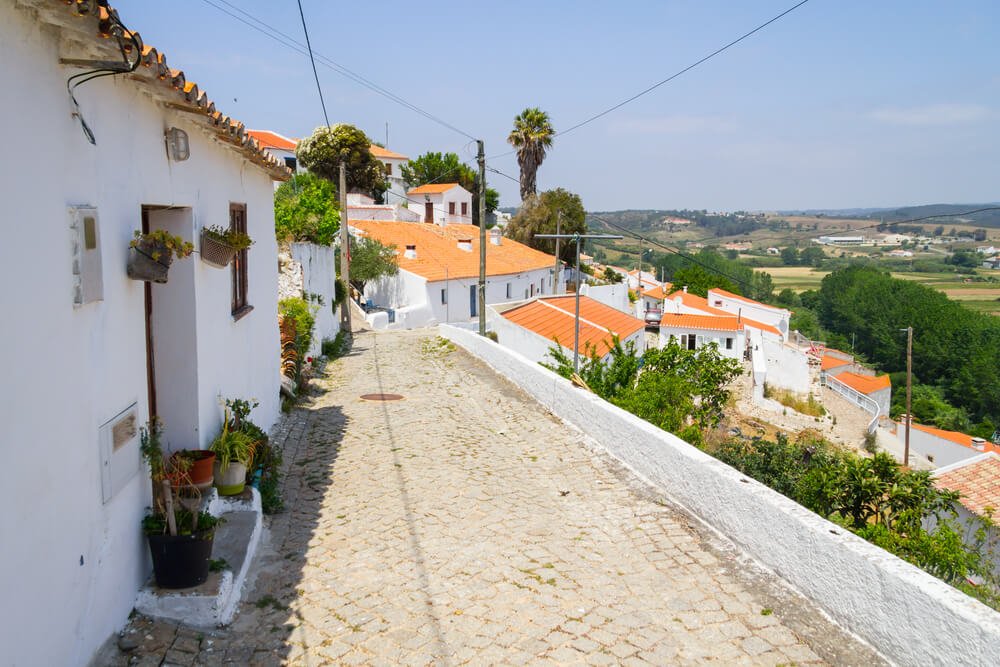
{"x": 238, "y": 222}
{"x": 451, "y": 208}
{"x": 465, "y": 208}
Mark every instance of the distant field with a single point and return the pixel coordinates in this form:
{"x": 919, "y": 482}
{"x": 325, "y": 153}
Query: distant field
{"x": 980, "y": 296}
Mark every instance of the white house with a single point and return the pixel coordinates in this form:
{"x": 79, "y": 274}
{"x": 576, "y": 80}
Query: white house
{"x": 442, "y": 203}
{"x": 89, "y": 354}
{"x": 439, "y": 272}
{"x": 363, "y": 207}
{"x": 693, "y": 332}
{"x": 944, "y": 448}
{"x": 535, "y": 327}
{"x": 393, "y": 163}
{"x": 278, "y": 145}
{"x": 745, "y": 308}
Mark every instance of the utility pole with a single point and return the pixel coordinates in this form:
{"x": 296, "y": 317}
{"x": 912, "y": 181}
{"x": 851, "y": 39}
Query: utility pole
{"x": 577, "y": 238}
{"x": 640, "y": 266}
{"x": 481, "y": 157}
{"x": 345, "y": 251}
{"x": 555, "y": 280}
{"x": 909, "y": 377}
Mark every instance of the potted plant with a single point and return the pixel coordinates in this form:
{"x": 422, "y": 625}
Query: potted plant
{"x": 151, "y": 254}
{"x": 192, "y": 467}
{"x": 179, "y": 534}
{"x": 219, "y": 245}
{"x": 233, "y": 451}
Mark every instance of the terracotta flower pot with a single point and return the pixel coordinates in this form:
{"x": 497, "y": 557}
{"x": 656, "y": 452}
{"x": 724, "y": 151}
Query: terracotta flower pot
{"x": 201, "y": 473}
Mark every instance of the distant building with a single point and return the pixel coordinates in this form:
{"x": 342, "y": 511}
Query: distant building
{"x": 533, "y": 328}
{"x": 442, "y": 204}
{"x": 841, "y": 240}
{"x": 773, "y": 251}
{"x": 393, "y": 164}
{"x": 278, "y": 145}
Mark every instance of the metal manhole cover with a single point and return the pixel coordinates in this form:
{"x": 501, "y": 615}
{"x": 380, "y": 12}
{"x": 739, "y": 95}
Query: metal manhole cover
{"x": 381, "y": 397}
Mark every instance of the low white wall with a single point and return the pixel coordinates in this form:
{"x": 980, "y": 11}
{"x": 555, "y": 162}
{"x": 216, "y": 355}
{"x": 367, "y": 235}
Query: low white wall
{"x": 319, "y": 274}
{"x": 787, "y": 367}
{"x": 908, "y": 615}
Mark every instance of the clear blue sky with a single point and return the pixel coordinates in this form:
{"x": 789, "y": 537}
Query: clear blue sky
{"x": 842, "y": 103}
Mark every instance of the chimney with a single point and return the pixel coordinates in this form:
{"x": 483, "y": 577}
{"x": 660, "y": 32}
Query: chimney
{"x": 685, "y": 288}
{"x": 465, "y": 244}
{"x": 496, "y": 236}
{"x": 411, "y": 251}
{"x": 979, "y": 444}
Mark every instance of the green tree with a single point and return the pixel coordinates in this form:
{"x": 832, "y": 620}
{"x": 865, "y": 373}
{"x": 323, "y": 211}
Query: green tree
{"x": 611, "y": 275}
{"x": 370, "y": 260}
{"x": 812, "y": 256}
{"x": 790, "y": 256}
{"x": 434, "y": 167}
{"x": 539, "y": 215}
{"x": 323, "y": 152}
{"x": 531, "y": 137}
{"x": 305, "y": 209}
{"x": 699, "y": 280}
{"x": 788, "y": 298}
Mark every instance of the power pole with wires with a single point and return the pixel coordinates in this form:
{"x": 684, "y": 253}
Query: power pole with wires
{"x": 481, "y": 157}
{"x": 555, "y": 279}
{"x": 345, "y": 251}
{"x": 577, "y": 238}
{"x": 909, "y": 378}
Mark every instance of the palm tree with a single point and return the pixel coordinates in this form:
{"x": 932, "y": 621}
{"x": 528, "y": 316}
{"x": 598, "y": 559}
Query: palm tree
{"x": 531, "y": 135}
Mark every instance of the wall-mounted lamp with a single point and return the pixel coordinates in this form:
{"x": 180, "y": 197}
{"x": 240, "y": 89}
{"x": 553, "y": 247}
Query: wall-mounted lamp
{"x": 178, "y": 148}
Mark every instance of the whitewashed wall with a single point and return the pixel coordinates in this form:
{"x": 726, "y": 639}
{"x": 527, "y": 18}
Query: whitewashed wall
{"x": 70, "y": 567}
{"x": 615, "y": 296}
{"x": 776, "y": 317}
{"x": 862, "y": 587}
{"x": 319, "y": 275}
{"x": 787, "y": 367}
{"x": 707, "y": 337}
{"x": 944, "y": 452}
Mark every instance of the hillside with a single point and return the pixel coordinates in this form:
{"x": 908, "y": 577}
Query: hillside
{"x": 984, "y": 219}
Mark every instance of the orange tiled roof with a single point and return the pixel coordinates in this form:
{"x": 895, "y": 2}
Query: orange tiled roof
{"x": 269, "y": 139}
{"x": 698, "y": 303}
{"x": 170, "y": 86}
{"x": 866, "y": 384}
{"x": 742, "y": 298}
{"x": 954, "y": 436}
{"x": 829, "y": 361}
{"x": 712, "y": 322}
{"x": 554, "y": 318}
{"x": 385, "y": 153}
{"x": 432, "y": 188}
{"x": 659, "y": 292}
{"x": 438, "y": 255}
{"x": 747, "y": 322}
{"x": 978, "y": 481}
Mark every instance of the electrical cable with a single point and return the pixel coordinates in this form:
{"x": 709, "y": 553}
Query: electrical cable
{"x": 312, "y": 60}
{"x": 286, "y": 40}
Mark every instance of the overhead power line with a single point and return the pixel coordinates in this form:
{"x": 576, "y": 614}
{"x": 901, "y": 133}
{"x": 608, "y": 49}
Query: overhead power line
{"x": 312, "y": 60}
{"x": 683, "y": 71}
{"x": 292, "y": 43}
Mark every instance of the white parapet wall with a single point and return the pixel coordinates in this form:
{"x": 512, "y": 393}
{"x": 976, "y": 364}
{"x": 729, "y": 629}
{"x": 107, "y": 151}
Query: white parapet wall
{"x": 909, "y": 616}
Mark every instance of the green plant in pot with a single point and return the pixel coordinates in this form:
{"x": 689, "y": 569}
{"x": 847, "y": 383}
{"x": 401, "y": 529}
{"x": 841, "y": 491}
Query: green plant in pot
{"x": 220, "y": 244}
{"x": 192, "y": 467}
{"x": 179, "y": 533}
{"x": 151, "y": 254}
{"x": 233, "y": 452}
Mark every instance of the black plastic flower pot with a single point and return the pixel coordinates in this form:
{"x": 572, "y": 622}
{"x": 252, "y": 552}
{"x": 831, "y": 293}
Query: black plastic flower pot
{"x": 181, "y": 561}
{"x": 142, "y": 266}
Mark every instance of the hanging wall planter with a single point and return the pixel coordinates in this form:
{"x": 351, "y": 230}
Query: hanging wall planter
{"x": 151, "y": 254}
{"x": 219, "y": 246}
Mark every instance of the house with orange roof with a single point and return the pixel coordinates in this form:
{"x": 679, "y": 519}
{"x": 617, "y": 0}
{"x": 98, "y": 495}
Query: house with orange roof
{"x": 278, "y": 145}
{"x": 128, "y": 337}
{"x": 694, "y": 331}
{"x": 393, "y": 163}
{"x": 533, "y": 328}
{"x": 439, "y": 272}
{"x": 977, "y": 479}
{"x": 442, "y": 203}
{"x": 942, "y": 447}
{"x": 742, "y": 307}
{"x": 841, "y": 373}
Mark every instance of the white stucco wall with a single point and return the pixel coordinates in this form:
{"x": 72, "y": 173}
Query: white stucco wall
{"x": 615, "y": 296}
{"x": 707, "y": 337}
{"x": 440, "y": 201}
{"x": 70, "y": 567}
{"x": 319, "y": 274}
{"x": 418, "y": 303}
{"x": 940, "y": 451}
{"x": 787, "y": 367}
{"x": 776, "y": 317}
{"x": 862, "y": 587}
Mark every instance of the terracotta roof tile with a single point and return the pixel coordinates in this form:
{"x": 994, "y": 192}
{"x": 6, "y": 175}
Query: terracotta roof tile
{"x": 169, "y": 86}
{"x": 866, "y": 384}
{"x": 269, "y": 139}
{"x": 698, "y": 303}
{"x": 711, "y": 322}
{"x": 954, "y": 436}
{"x": 978, "y": 481}
{"x": 747, "y": 322}
{"x": 438, "y": 254}
{"x": 432, "y": 188}
{"x": 554, "y": 318}
{"x": 386, "y": 154}
{"x": 829, "y": 361}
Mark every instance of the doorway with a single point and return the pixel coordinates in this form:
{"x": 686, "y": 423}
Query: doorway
{"x": 171, "y": 337}
{"x": 428, "y": 212}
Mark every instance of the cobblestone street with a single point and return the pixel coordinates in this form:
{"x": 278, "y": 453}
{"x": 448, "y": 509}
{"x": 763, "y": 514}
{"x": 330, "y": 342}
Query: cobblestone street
{"x": 464, "y": 524}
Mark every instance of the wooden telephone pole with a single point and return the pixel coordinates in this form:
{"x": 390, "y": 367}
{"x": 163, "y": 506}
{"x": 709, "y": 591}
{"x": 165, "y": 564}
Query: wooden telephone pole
{"x": 909, "y": 378}
{"x": 345, "y": 251}
{"x": 481, "y": 158}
